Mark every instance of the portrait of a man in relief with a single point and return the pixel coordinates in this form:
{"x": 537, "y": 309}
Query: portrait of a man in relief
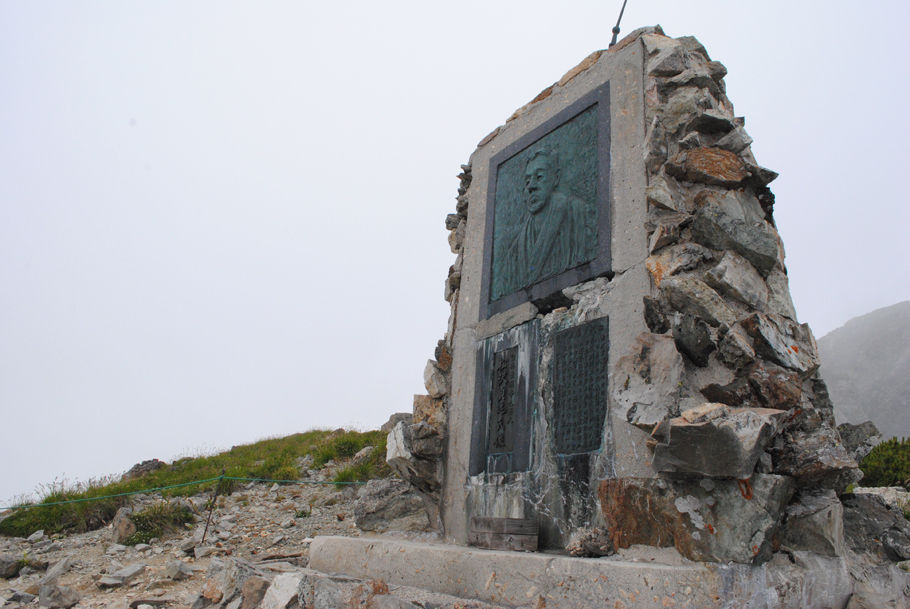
{"x": 555, "y": 232}
{"x": 545, "y": 210}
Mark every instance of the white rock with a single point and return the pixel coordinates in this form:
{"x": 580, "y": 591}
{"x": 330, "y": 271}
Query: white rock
{"x": 282, "y": 594}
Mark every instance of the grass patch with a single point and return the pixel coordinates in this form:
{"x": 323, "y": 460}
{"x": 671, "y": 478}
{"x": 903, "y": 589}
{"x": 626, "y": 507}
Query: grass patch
{"x": 346, "y": 445}
{"x": 157, "y": 520}
{"x": 78, "y": 517}
{"x": 374, "y": 467}
{"x": 273, "y": 459}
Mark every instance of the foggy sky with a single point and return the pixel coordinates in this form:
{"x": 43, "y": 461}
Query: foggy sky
{"x": 221, "y": 221}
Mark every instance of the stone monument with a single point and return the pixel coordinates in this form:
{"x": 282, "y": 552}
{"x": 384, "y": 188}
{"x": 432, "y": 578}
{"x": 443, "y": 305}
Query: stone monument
{"x": 623, "y": 353}
{"x": 623, "y": 365}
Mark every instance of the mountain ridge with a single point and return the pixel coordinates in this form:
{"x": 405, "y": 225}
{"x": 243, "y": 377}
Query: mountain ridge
{"x": 866, "y": 365}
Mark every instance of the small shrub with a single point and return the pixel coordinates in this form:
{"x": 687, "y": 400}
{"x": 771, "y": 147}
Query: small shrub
{"x": 302, "y": 514}
{"x": 158, "y": 519}
{"x": 888, "y": 464}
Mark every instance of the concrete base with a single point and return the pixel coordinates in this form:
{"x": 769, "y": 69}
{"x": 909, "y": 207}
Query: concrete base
{"x": 560, "y": 582}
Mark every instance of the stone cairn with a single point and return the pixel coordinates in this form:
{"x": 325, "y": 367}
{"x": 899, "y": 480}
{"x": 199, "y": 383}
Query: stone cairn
{"x": 725, "y": 382}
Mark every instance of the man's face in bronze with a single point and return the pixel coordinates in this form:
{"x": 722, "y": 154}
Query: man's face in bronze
{"x": 540, "y": 181}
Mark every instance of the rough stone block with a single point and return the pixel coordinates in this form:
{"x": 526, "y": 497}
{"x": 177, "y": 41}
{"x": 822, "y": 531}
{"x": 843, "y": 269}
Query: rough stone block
{"x": 693, "y": 337}
{"x": 815, "y": 458}
{"x": 681, "y": 105}
{"x": 873, "y": 527}
{"x": 226, "y": 578}
{"x": 393, "y": 421}
{"x": 675, "y": 259}
{"x": 422, "y": 473}
{"x": 783, "y": 341}
{"x": 430, "y": 411}
{"x": 714, "y": 166}
{"x": 735, "y": 349}
{"x": 662, "y": 194}
{"x": 860, "y": 439}
{"x": 122, "y": 527}
{"x": 667, "y": 229}
{"x": 668, "y": 62}
{"x": 282, "y": 594}
{"x": 177, "y": 569}
{"x": 252, "y": 591}
{"x": 735, "y": 141}
{"x": 779, "y": 300}
{"x": 693, "y": 296}
{"x": 390, "y": 505}
{"x": 711, "y": 122}
{"x": 814, "y": 522}
{"x": 774, "y": 386}
{"x": 9, "y": 566}
{"x": 735, "y": 221}
{"x": 434, "y": 380}
{"x": 707, "y": 519}
{"x": 736, "y": 278}
{"x": 715, "y": 441}
{"x": 54, "y": 596}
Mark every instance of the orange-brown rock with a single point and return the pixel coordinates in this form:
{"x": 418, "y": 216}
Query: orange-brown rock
{"x": 430, "y": 411}
{"x": 709, "y": 166}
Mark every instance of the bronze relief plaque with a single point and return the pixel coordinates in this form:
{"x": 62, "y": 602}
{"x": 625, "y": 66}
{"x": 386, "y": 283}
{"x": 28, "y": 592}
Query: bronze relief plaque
{"x": 547, "y": 209}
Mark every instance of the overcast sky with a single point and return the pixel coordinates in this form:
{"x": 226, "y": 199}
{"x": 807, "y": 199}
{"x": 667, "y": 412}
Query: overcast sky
{"x": 221, "y": 221}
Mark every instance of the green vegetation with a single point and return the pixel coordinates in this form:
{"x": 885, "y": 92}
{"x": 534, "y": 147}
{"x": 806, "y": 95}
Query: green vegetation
{"x": 69, "y": 518}
{"x": 372, "y": 468}
{"x": 888, "y": 464}
{"x": 347, "y": 445}
{"x": 271, "y": 459}
{"x": 158, "y": 519}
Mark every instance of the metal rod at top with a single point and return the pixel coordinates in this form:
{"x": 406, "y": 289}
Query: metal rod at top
{"x": 616, "y": 27}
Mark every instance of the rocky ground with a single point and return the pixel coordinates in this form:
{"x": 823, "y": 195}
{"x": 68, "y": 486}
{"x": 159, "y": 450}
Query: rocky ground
{"x": 254, "y": 554}
{"x": 264, "y": 525}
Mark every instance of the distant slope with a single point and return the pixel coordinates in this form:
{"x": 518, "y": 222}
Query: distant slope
{"x": 866, "y": 364}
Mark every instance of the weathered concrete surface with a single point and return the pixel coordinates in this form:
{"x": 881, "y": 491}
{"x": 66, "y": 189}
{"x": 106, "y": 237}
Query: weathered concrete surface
{"x": 622, "y": 67}
{"x": 563, "y": 582}
{"x": 648, "y": 383}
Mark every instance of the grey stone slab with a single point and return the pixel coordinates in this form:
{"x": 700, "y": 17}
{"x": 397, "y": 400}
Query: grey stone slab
{"x": 510, "y": 318}
{"x": 564, "y": 582}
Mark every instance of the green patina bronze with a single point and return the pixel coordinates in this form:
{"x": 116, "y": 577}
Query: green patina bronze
{"x": 545, "y": 216}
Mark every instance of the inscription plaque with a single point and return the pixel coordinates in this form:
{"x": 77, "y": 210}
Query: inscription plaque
{"x": 506, "y": 379}
{"x": 548, "y": 212}
{"x": 580, "y": 386}
{"x": 502, "y": 402}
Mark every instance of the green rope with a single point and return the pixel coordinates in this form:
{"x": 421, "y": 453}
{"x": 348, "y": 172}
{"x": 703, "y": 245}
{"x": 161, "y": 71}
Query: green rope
{"x": 293, "y": 481}
{"x": 164, "y": 488}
